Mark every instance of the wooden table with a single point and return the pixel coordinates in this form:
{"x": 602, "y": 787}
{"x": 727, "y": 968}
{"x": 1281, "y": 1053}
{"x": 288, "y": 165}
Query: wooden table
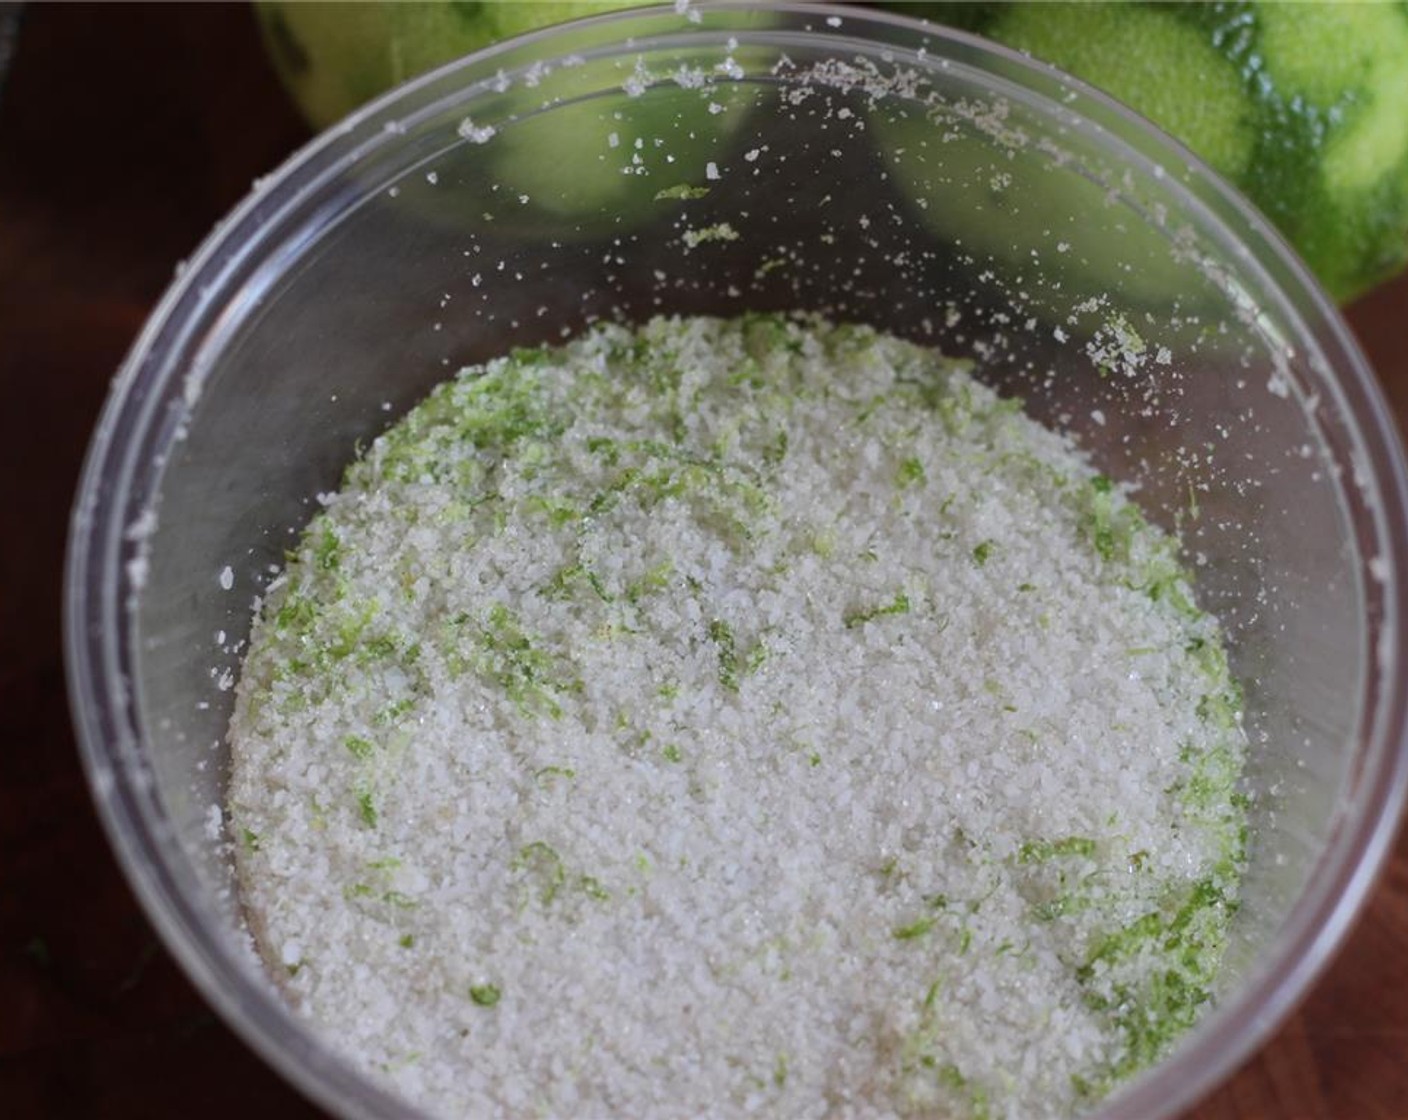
{"x": 124, "y": 134}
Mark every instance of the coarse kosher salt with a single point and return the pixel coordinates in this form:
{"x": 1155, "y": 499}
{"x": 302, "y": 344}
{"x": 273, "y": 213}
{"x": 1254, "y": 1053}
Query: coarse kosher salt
{"x": 731, "y": 717}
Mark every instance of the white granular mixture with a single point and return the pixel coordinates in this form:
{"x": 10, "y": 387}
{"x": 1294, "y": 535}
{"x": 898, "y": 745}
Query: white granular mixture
{"x": 734, "y": 717}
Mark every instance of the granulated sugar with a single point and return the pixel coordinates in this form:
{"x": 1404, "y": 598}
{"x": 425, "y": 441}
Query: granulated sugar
{"x": 736, "y": 717}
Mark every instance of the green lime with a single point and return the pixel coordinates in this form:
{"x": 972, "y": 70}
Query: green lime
{"x": 1060, "y": 237}
{"x": 1304, "y": 107}
{"x": 334, "y": 57}
{"x": 601, "y": 160}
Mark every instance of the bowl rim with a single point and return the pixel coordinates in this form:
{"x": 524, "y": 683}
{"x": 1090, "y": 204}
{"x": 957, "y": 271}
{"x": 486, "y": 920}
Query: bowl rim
{"x": 97, "y": 622}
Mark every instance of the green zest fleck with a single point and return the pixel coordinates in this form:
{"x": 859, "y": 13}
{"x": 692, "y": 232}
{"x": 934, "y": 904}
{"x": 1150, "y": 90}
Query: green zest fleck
{"x": 1123, "y": 942}
{"x": 599, "y": 587}
{"x": 327, "y": 556}
{"x": 608, "y": 449}
{"x": 251, "y": 839}
{"x": 1039, "y": 851}
{"x": 484, "y": 995}
{"x": 720, "y": 231}
{"x": 1111, "y": 529}
{"x": 542, "y": 865}
{"x": 406, "y": 941}
{"x": 375, "y": 649}
{"x": 911, "y": 471}
{"x": 296, "y": 615}
{"x": 605, "y": 501}
{"x": 366, "y": 809}
{"x": 592, "y": 888}
{"x": 1101, "y": 534}
{"x": 360, "y": 748}
{"x": 1165, "y": 581}
{"x": 1222, "y": 709}
{"x": 395, "y": 710}
{"x": 559, "y": 587}
{"x": 722, "y": 636}
{"x": 776, "y": 451}
{"x": 672, "y": 752}
{"x": 547, "y": 774}
{"x": 982, "y": 552}
{"x": 953, "y": 1079}
{"x": 656, "y": 579}
{"x": 683, "y": 191}
{"x": 767, "y": 333}
{"x": 898, "y": 605}
{"x": 914, "y": 929}
{"x": 557, "y": 513}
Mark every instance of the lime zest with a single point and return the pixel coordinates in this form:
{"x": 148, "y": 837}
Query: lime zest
{"x": 683, "y": 192}
{"x": 485, "y": 995}
{"x": 897, "y": 606}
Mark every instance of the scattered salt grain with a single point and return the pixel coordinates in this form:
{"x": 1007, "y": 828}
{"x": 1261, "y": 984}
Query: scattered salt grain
{"x": 475, "y": 134}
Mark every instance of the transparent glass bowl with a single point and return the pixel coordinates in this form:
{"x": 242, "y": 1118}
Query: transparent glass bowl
{"x": 855, "y": 163}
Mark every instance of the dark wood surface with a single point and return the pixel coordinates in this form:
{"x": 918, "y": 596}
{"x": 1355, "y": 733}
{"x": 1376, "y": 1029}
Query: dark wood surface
{"x": 124, "y": 134}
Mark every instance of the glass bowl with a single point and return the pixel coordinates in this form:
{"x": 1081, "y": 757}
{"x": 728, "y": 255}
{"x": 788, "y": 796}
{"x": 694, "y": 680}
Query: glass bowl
{"x": 717, "y": 159}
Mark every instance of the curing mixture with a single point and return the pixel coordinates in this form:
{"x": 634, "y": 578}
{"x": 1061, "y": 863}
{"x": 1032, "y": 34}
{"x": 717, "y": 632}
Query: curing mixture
{"x": 736, "y": 716}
